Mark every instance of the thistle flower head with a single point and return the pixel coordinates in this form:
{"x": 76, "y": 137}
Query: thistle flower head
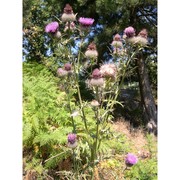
{"x": 96, "y": 74}
{"x": 94, "y": 103}
{"x": 86, "y": 21}
{"x": 143, "y": 33}
{"x": 57, "y": 34}
{"x": 117, "y": 37}
{"x": 91, "y": 51}
{"x": 96, "y": 79}
{"x": 131, "y": 40}
{"x": 140, "y": 40}
{"x": 108, "y": 70}
{"x": 117, "y": 44}
{"x": 131, "y": 159}
{"x": 92, "y": 46}
{"x": 61, "y": 72}
{"x": 96, "y": 82}
{"x": 68, "y": 9}
{"x": 52, "y": 27}
{"x": 117, "y": 41}
{"x": 68, "y": 67}
{"x": 68, "y": 14}
{"x": 72, "y": 140}
{"x": 129, "y": 32}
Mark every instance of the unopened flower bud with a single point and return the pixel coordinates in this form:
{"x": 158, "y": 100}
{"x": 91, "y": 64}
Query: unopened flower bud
{"x": 94, "y": 103}
{"x": 91, "y": 51}
{"x": 143, "y": 33}
{"x": 72, "y": 140}
{"x": 57, "y": 34}
{"x": 117, "y": 41}
{"x": 117, "y": 37}
{"x": 68, "y": 67}
{"x": 68, "y": 14}
{"x": 142, "y": 38}
{"x": 61, "y": 72}
{"x": 97, "y": 79}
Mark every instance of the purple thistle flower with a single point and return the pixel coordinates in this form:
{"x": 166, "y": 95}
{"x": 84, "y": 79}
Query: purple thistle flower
{"x": 52, "y": 27}
{"x": 117, "y": 37}
{"x": 96, "y": 74}
{"x": 131, "y": 159}
{"x": 72, "y": 138}
{"x": 129, "y": 32}
{"x": 86, "y": 21}
{"x": 61, "y": 72}
{"x": 92, "y": 46}
{"x": 67, "y": 67}
{"x": 143, "y": 33}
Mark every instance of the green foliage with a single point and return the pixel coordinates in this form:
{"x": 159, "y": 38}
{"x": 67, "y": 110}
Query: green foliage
{"x": 36, "y": 165}
{"x": 46, "y": 121}
{"x": 119, "y": 143}
{"x": 44, "y": 109}
{"x": 56, "y": 136}
{"x": 146, "y": 169}
{"x": 151, "y": 145}
{"x": 36, "y": 14}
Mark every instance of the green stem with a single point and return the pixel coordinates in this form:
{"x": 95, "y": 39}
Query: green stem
{"x": 97, "y": 137}
{"x": 78, "y": 89}
{"x": 97, "y": 118}
{"x": 74, "y": 161}
{"x": 81, "y": 105}
{"x": 69, "y": 106}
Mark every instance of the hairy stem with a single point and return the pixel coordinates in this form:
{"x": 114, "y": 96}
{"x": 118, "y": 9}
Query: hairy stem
{"x": 69, "y": 106}
{"x": 78, "y": 89}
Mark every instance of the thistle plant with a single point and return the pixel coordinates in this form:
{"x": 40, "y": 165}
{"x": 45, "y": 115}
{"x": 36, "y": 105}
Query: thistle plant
{"x": 105, "y": 82}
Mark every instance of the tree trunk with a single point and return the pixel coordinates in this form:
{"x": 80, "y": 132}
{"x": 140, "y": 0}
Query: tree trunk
{"x": 146, "y": 94}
